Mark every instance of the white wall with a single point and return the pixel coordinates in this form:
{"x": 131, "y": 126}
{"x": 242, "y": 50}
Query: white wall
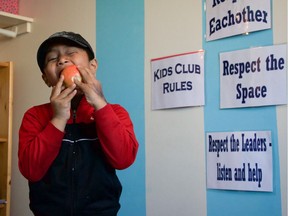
{"x": 29, "y": 89}
{"x": 175, "y": 150}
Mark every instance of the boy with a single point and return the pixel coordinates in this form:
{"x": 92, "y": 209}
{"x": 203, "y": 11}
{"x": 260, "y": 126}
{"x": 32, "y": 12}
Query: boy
{"x": 70, "y": 147}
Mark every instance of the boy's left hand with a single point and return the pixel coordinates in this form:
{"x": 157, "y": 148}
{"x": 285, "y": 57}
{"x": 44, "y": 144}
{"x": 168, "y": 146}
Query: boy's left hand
{"x": 91, "y": 87}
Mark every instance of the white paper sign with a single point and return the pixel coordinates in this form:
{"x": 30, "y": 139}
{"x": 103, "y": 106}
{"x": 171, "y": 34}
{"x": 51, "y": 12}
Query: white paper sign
{"x": 253, "y": 77}
{"x": 240, "y": 161}
{"x": 178, "y": 80}
{"x": 232, "y": 17}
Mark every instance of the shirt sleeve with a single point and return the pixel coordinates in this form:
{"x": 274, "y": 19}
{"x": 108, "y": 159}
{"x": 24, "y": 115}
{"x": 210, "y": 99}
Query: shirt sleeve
{"x": 39, "y": 144}
{"x": 116, "y": 134}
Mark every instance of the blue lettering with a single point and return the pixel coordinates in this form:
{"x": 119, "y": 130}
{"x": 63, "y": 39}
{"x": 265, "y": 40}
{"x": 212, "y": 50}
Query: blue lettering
{"x": 242, "y": 16}
{"x": 243, "y": 92}
{"x": 174, "y": 87}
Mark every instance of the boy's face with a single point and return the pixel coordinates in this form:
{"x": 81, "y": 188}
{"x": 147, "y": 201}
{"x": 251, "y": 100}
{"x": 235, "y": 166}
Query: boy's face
{"x": 60, "y": 56}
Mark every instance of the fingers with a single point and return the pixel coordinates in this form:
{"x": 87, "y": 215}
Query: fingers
{"x": 91, "y": 87}
{"x": 61, "y": 101}
{"x": 87, "y": 74}
{"x": 57, "y": 88}
{"x": 59, "y": 92}
{"x": 68, "y": 93}
{"x": 88, "y": 82}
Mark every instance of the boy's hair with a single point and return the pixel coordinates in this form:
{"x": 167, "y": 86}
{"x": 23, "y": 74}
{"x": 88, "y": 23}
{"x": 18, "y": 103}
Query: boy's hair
{"x": 62, "y": 37}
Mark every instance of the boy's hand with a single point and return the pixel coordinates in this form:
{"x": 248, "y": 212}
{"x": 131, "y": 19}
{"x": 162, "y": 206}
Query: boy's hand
{"x": 91, "y": 87}
{"x": 61, "y": 103}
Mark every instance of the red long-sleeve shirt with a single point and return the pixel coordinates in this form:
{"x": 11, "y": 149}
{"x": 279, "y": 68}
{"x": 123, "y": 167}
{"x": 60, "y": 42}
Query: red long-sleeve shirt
{"x": 40, "y": 141}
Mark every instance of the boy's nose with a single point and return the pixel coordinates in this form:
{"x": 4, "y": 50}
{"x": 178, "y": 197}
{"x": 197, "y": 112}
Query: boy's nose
{"x": 63, "y": 60}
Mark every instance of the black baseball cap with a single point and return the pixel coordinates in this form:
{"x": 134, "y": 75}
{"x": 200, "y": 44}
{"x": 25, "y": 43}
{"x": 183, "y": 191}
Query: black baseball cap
{"x": 65, "y": 37}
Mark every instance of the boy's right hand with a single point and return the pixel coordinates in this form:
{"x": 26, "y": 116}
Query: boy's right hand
{"x": 61, "y": 103}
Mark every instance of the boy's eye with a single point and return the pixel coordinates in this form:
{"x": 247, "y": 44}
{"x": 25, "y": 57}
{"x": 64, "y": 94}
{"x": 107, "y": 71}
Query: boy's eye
{"x": 51, "y": 56}
{"x": 52, "y": 59}
{"x": 71, "y": 52}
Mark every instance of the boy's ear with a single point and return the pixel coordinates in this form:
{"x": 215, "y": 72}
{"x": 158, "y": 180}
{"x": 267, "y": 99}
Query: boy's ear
{"x": 46, "y": 80}
{"x": 94, "y": 64}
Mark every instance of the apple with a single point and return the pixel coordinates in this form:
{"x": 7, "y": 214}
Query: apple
{"x": 70, "y": 73}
